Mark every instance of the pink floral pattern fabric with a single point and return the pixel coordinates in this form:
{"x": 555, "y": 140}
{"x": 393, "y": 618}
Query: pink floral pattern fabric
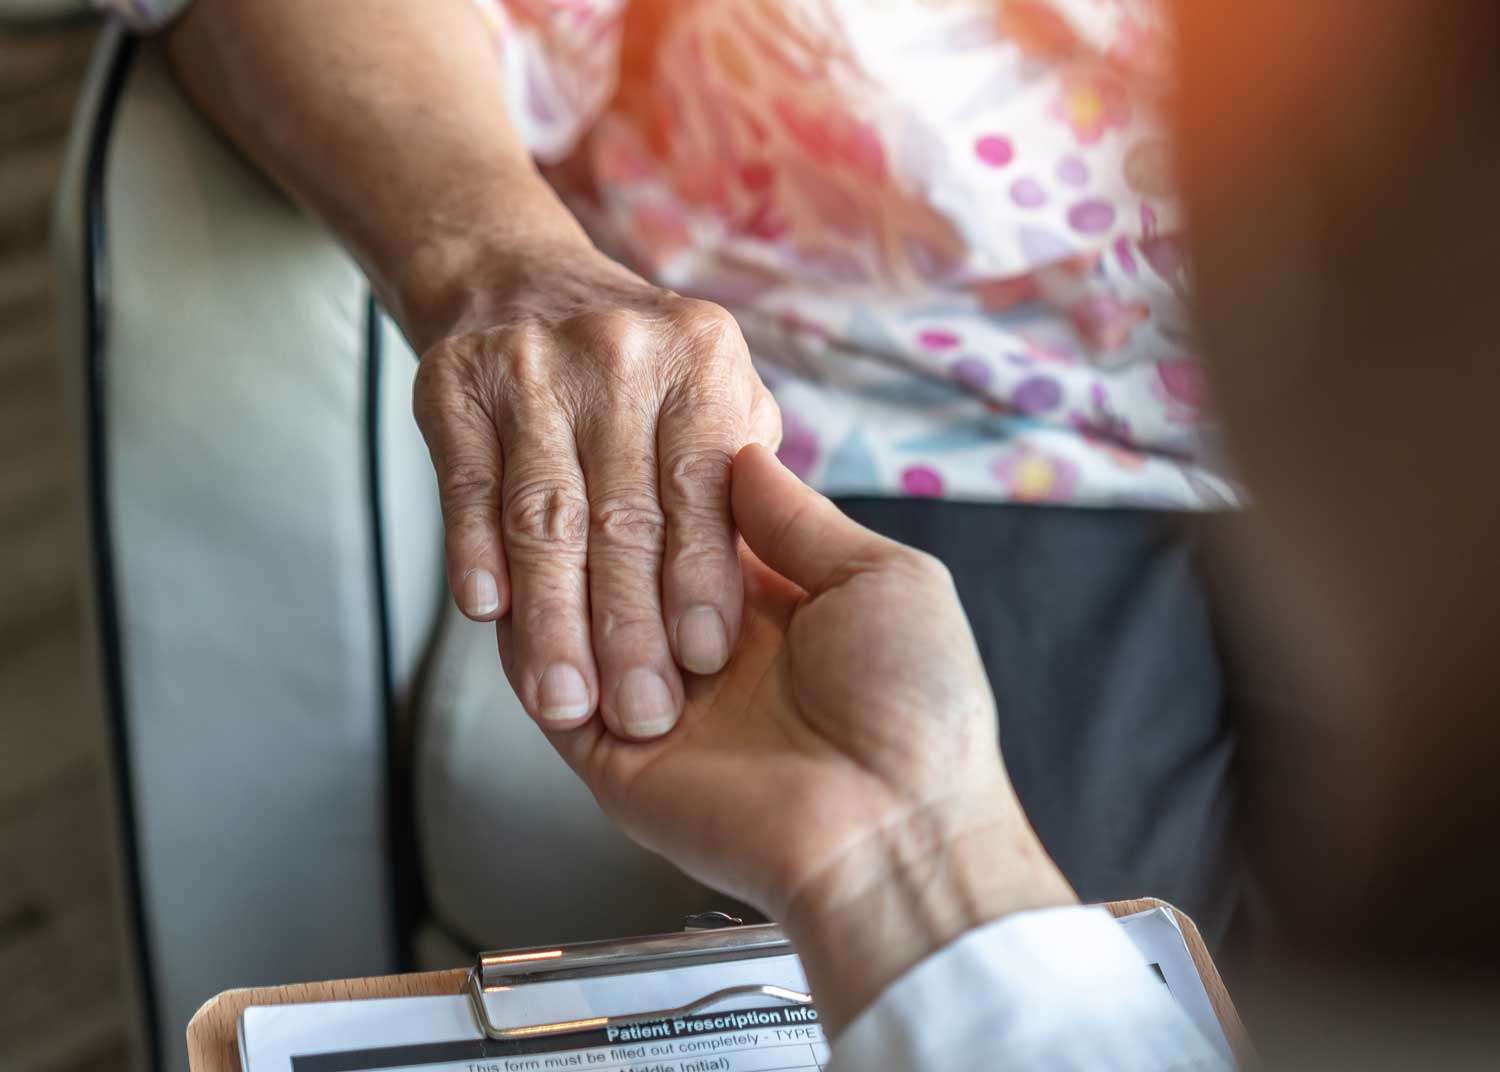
{"x": 946, "y": 226}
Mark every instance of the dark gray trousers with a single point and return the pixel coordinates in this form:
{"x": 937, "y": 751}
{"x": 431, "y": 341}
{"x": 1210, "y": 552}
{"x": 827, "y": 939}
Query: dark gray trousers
{"x": 1114, "y": 717}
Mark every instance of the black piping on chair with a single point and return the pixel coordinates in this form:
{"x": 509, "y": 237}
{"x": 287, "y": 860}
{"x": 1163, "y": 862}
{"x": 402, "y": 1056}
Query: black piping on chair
{"x": 401, "y": 853}
{"x": 96, "y": 342}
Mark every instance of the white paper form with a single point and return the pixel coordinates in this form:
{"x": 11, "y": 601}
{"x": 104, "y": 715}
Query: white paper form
{"x": 1159, "y": 940}
{"x": 438, "y": 1034}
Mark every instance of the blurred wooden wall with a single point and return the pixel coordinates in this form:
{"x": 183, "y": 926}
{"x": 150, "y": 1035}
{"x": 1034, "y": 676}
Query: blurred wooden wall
{"x": 59, "y": 1006}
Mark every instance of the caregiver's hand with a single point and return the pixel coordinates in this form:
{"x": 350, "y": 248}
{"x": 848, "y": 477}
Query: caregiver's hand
{"x": 841, "y": 773}
{"x": 582, "y": 423}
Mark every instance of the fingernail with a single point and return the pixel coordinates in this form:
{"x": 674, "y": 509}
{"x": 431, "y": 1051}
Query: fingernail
{"x": 644, "y": 704}
{"x": 481, "y": 596}
{"x": 563, "y": 694}
{"x": 702, "y": 641}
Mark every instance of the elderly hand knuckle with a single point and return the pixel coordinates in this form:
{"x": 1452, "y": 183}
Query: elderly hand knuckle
{"x": 527, "y": 359}
{"x": 609, "y": 330}
{"x": 631, "y": 520}
{"x": 458, "y": 385}
{"x": 710, "y": 324}
{"x": 700, "y": 474}
{"x": 545, "y": 514}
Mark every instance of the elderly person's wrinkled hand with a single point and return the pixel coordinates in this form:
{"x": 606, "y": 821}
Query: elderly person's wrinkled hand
{"x": 582, "y": 423}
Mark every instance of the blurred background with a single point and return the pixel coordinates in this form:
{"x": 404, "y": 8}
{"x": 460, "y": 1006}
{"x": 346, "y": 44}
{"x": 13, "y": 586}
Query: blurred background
{"x": 60, "y": 1006}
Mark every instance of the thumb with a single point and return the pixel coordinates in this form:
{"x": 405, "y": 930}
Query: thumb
{"x": 793, "y": 529}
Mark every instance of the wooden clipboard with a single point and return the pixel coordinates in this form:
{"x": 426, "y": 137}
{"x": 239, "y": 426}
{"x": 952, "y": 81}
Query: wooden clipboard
{"x": 213, "y": 1042}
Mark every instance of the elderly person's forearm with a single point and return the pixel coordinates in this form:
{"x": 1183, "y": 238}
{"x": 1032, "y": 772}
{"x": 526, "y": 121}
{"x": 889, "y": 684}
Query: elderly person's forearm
{"x": 388, "y": 121}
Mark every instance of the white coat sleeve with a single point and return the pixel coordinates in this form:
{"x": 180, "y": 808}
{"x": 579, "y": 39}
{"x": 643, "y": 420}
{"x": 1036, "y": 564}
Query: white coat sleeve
{"x": 1057, "y": 989}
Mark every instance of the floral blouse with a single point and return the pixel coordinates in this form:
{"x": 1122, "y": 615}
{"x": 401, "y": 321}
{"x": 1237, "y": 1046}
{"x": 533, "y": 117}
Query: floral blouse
{"x": 945, "y": 226}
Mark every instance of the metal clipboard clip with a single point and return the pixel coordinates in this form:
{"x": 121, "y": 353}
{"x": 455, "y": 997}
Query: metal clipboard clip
{"x": 711, "y": 937}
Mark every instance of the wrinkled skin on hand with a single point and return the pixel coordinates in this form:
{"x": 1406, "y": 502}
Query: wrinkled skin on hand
{"x": 582, "y": 427}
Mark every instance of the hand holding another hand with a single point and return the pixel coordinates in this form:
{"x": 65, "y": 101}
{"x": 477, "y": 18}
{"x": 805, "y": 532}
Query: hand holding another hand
{"x": 841, "y": 772}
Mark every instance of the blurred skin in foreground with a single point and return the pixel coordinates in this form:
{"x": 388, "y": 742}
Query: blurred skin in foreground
{"x": 1340, "y": 166}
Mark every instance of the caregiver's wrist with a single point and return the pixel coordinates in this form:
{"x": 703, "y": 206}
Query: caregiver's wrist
{"x": 910, "y": 891}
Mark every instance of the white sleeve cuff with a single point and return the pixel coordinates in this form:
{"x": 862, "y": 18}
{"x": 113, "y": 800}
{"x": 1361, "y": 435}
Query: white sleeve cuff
{"x": 1056, "y": 988}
